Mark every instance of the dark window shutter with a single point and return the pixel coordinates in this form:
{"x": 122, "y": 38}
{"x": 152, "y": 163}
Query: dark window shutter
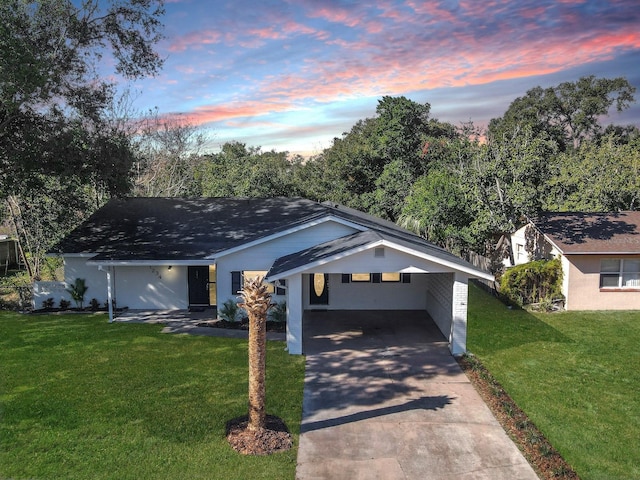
{"x": 346, "y": 278}
{"x": 376, "y": 277}
{"x": 406, "y": 278}
{"x": 236, "y": 284}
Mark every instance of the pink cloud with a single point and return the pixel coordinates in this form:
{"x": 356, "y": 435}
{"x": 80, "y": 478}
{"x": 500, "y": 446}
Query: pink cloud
{"x": 226, "y": 112}
{"x": 267, "y": 33}
{"x": 395, "y": 53}
{"x": 195, "y": 40}
{"x": 335, "y": 15}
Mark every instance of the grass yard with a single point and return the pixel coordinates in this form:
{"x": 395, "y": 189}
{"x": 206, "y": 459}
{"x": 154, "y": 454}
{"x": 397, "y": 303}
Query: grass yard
{"x": 576, "y": 374}
{"x": 82, "y": 398}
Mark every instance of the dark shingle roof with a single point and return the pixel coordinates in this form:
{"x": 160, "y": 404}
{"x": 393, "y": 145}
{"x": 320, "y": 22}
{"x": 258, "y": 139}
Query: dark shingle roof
{"x": 576, "y": 233}
{"x": 183, "y": 228}
{"x": 323, "y": 251}
{"x": 199, "y": 228}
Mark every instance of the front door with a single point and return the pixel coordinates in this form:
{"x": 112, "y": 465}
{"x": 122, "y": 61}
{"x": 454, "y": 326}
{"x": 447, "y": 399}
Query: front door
{"x": 198, "y": 285}
{"x": 319, "y": 289}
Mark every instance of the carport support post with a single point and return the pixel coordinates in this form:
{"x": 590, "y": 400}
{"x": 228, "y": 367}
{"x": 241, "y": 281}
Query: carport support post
{"x": 294, "y": 314}
{"x": 109, "y": 295}
{"x": 459, "y": 314}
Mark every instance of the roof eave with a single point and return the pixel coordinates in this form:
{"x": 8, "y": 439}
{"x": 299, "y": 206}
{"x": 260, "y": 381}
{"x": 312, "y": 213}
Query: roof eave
{"x": 601, "y": 253}
{"x": 472, "y": 272}
{"x": 145, "y": 263}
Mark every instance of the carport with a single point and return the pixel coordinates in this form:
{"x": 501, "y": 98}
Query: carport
{"x": 381, "y": 330}
{"x": 375, "y": 271}
{"x": 384, "y": 398}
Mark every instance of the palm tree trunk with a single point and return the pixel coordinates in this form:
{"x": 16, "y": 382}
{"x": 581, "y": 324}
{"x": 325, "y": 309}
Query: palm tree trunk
{"x": 257, "y": 369}
{"x": 257, "y": 301}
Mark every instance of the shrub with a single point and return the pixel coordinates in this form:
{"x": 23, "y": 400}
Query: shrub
{"x": 48, "y": 303}
{"x": 278, "y": 312}
{"x": 229, "y": 311}
{"x": 533, "y": 282}
{"x": 77, "y": 291}
{"x": 64, "y": 304}
{"x": 94, "y": 304}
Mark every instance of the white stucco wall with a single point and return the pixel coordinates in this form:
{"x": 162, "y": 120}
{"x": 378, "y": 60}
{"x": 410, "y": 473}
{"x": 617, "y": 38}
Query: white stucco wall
{"x": 393, "y": 261}
{"x": 135, "y": 287}
{"x": 371, "y": 296}
{"x": 95, "y": 280}
{"x": 151, "y": 287}
{"x": 45, "y": 290}
{"x": 262, "y": 256}
{"x": 439, "y": 295}
{"x": 458, "y": 337}
{"x": 518, "y": 242}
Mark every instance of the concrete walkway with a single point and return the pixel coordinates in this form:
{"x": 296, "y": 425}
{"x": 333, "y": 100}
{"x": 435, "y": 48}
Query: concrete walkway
{"x": 185, "y": 321}
{"x": 384, "y": 399}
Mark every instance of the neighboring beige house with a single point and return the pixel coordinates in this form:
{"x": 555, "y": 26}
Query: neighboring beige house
{"x": 600, "y": 254}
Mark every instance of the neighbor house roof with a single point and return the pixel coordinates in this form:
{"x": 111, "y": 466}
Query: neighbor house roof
{"x": 591, "y": 233}
{"x": 190, "y": 229}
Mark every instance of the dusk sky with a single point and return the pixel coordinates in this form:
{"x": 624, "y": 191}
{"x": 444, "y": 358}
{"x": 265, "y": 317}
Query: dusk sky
{"x": 293, "y": 74}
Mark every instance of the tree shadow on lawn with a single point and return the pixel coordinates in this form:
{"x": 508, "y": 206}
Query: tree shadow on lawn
{"x": 503, "y": 328}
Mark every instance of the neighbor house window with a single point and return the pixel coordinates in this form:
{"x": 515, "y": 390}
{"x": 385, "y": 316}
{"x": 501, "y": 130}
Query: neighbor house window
{"x": 620, "y": 273}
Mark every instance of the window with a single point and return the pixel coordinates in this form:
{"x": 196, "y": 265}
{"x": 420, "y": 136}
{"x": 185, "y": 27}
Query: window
{"x": 238, "y": 278}
{"x": 248, "y": 274}
{"x": 376, "y": 277}
{"x": 391, "y": 277}
{"x": 281, "y": 287}
{"x": 620, "y": 273}
{"x": 360, "y": 277}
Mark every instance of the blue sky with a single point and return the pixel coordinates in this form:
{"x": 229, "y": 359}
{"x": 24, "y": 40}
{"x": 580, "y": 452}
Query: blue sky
{"x": 293, "y": 74}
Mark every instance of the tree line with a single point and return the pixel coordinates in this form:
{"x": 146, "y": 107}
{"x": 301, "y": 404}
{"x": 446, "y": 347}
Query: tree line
{"x": 460, "y": 187}
{"x": 66, "y": 147}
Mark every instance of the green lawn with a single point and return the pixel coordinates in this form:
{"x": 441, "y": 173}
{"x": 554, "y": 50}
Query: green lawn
{"x": 576, "y": 374}
{"x": 82, "y": 398}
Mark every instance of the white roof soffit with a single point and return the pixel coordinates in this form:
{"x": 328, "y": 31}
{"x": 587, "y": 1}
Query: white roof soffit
{"x": 472, "y": 272}
{"x": 412, "y": 269}
{"x": 146, "y": 263}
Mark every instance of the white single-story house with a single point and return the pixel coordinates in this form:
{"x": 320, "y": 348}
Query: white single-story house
{"x": 179, "y": 253}
{"x": 599, "y": 252}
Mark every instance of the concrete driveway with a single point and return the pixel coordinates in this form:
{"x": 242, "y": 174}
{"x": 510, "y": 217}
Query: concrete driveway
{"x": 384, "y": 399}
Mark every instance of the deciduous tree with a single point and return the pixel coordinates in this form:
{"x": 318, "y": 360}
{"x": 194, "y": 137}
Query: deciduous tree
{"x": 568, "y": 113}
{"x": 53, "y": 96}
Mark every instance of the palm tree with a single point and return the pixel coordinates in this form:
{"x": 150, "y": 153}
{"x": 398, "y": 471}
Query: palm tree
{"x": 256, "y": 300}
